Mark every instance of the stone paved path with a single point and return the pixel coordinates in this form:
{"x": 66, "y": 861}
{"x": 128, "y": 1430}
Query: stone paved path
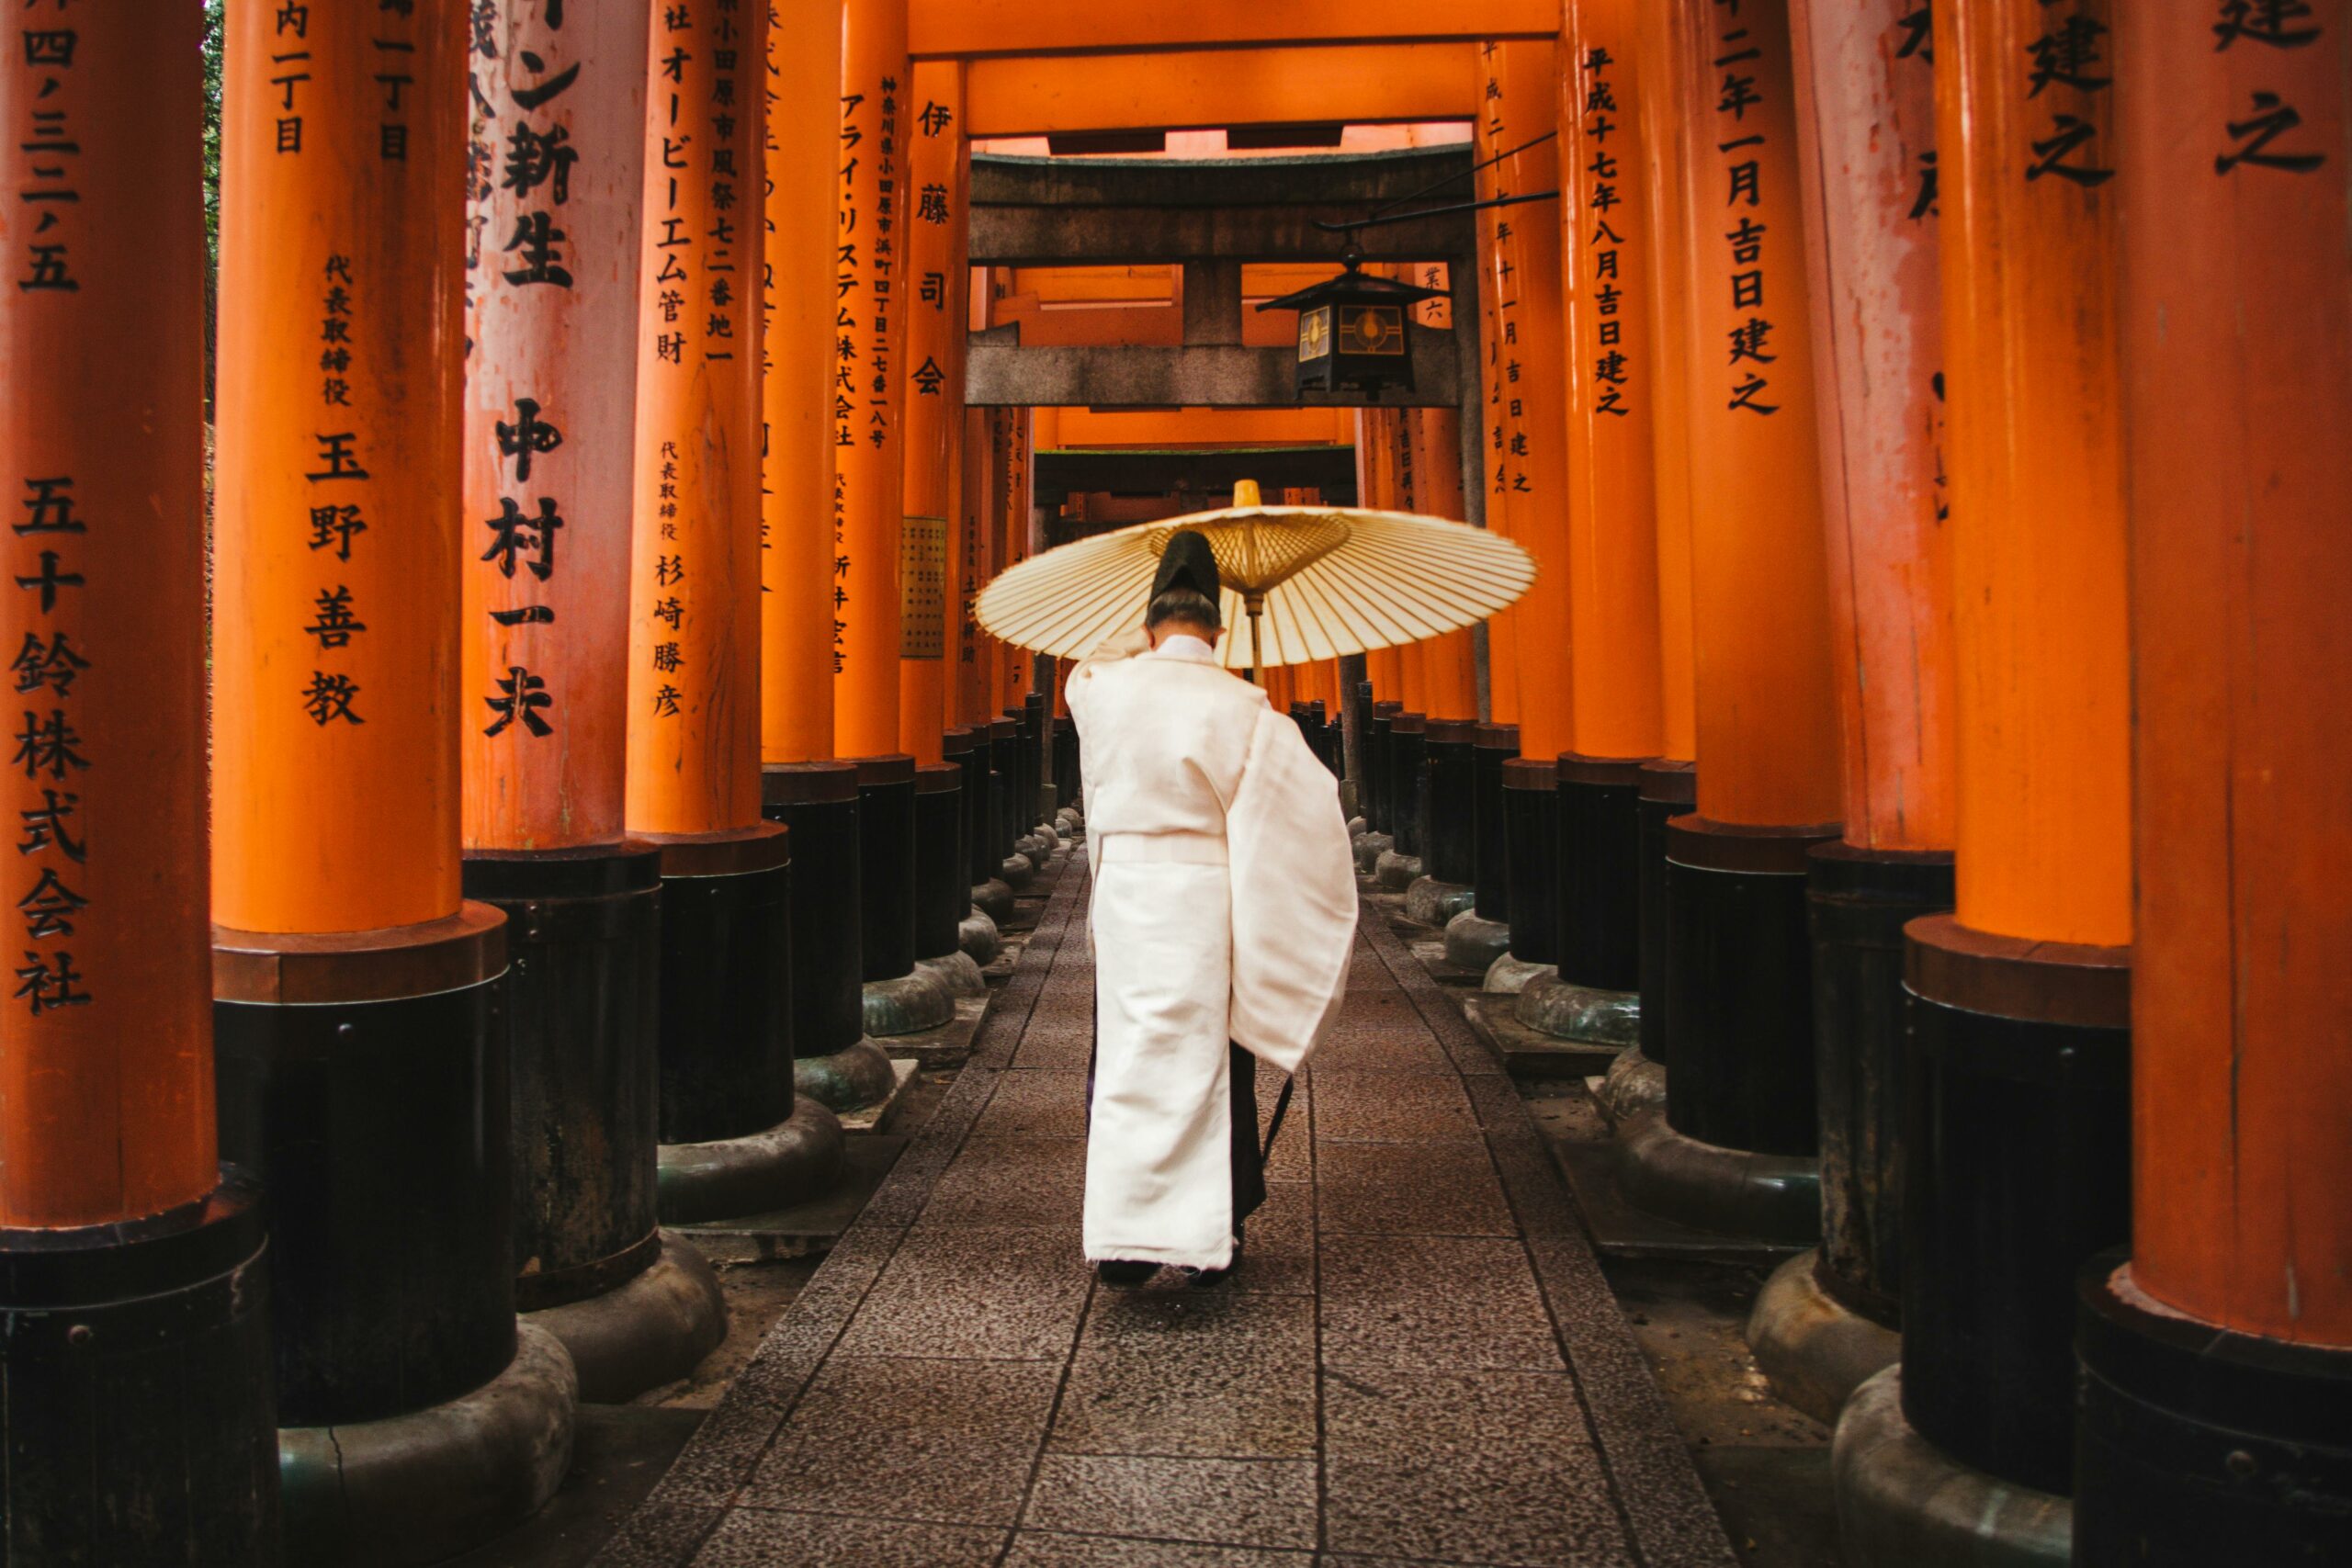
{"x": 1417, "y": 1361}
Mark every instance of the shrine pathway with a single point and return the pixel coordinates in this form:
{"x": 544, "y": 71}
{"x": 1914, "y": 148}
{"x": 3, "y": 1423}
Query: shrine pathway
{"x": 1418, "y": 1360}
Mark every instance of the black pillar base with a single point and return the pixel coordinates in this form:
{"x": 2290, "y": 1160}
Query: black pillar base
{"x": 1449, "y": 819}
{"x": 1668, "y": 789}
{"x": 1004, "y": 795}
{"x": 356, "y": 1078}
{"x": 726, "y": 998}
{"x": 2017, "y": 1169}
{"x": 1495, "y": 745}
{"x": 2200, "y": 1445}
{"x": 1532, "y": 836}
{"x": 1408, "y": 783}
{"x": 1861, "y": 899}
{"x": 135, "y": 1389}
{"x": 1600, "y": 872}
{"x": 899, "y": 997}
{"x": 581, "y": 1026}
{"x": 816, "y": 803}
{"x": 1378, "y": 809}
{"x": 1739, "y": 987}
{"x": 583, "y": 1030}
{"x": 942, "y": 892}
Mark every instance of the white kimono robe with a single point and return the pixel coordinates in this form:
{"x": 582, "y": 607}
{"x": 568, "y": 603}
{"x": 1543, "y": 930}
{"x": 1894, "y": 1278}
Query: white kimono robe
{"x": 1224, "y": 909}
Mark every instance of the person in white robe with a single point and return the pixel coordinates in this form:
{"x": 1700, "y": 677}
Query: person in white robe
{"x": 1223, "y": 916}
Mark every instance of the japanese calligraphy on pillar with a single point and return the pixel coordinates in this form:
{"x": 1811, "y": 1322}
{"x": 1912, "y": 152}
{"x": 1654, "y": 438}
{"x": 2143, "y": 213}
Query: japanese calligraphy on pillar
{"x": 1607, "y": 222}
{"x": 50, "y": 554}
{"x": 1507, "y": 422}
{"x": 2267, "y": 134}
{"x": 106, "y": 1058}
{"x": 694, "y": 644}
{"x": 339, "y": 422}
{"x": 1749, "y": 59}
{"x": 933, "y": 393}
{"x": 877, "y": 202}
{"x": 554, "y": 182}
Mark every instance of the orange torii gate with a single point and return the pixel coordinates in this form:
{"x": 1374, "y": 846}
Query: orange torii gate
{"x": 354, "y": 982}
{"x": 137, "y": 1361}
{"x": 550, "y": 490}
{"x": 1867, "y": 92}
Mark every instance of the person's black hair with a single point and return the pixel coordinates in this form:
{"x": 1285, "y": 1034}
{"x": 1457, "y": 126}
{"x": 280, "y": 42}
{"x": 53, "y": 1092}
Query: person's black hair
{"x": 1184, "y": 604}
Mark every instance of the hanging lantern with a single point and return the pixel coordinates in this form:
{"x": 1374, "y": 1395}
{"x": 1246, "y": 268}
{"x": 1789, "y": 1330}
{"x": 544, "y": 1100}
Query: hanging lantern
{"x": 1355, "y": 331}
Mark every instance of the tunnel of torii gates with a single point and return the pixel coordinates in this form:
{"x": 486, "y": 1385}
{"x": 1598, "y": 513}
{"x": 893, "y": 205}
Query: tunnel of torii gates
{"x": 1931, "y": 432}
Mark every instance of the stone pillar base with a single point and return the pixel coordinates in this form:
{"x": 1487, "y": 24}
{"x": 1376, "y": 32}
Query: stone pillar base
{"x": 420, "y": 1487}
{"x": 910, "y": 1004}
{"x": 1903, "y": 1503}
{"x": 652, "y": 1328}
{"x": 1034, "y": 848}
{"x": 1017, "y": 871}
{"x": 957, "y": 972}
{"x": 1434, "y": 903}
{"x": 1509, "y": 975}
{"x": 1565, "y": 1011}
{"x": 1369, "y": 849}
{"x": 1635, "y": 1084}
{"x": 1815, "y": 1349}
{"x": 851, "y": 1079}
{"x": 976, "y": 936}
{"x": 1473, "y": 942}
{"x": 1395, "y": 871}
{"x": 752, "y": 1175}
{"x": 1734, "y": 1191}
{"x": 994, "y": 898}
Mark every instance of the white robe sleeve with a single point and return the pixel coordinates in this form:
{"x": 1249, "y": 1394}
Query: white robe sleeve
{"x": 1293, "y": 884}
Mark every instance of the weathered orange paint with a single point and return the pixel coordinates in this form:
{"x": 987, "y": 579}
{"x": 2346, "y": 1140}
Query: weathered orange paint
{"x": 932, "y": 388}
{"x": 1013, "y": 665}
{"x": 1607, "y": 241}
{"x": 1447, "y": 664}
{"x": 105, "y": 1086}
{"x": 553, "y": 776}
{"x": 1200, "y": 428}
{"x": 693, "y": 676}
{"x": 1664, "y": 132}
{"x": 797, "y": 515}
{"x": 335, "y": 816}
{"x": 1519, "y": 99}
{"x": 2042, "y": 694}
{"x": 2237, "y": 360}
{"x": 877, "y": 127}
{"x": 981, "y": 27}
{"x": 1501, "y": 506}
{"x": 1026, "y": 96}
{"x": 1766, "y": 705}
{"x": 1867, "y": 122}
{"x": 968, "y": 554}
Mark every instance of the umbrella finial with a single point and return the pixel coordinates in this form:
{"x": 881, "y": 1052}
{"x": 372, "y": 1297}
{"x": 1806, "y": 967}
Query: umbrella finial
{"x": 1245, "y": 494}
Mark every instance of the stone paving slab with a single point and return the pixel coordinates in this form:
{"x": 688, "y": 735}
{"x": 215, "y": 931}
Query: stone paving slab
{"x": 1417, "y": 1360}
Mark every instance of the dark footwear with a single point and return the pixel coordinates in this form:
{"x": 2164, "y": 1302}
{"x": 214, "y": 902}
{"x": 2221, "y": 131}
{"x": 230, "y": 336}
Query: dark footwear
{"x": 1123, "y": 1274}
{"x": 1210, "y": 1279}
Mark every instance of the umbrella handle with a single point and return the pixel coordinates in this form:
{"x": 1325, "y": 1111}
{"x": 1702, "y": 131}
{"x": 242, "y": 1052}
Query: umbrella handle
{"x": 1254, "y": 603}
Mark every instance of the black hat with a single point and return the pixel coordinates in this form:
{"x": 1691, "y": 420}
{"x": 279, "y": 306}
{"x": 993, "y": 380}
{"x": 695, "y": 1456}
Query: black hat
{"x": 1187, "y": 562}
